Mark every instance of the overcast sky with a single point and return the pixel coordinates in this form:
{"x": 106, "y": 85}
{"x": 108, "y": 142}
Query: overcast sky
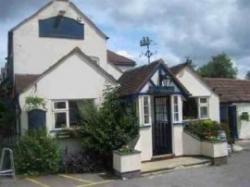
{"x": 197, "y": 29}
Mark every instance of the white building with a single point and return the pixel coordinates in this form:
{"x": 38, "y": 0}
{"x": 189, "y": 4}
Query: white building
{"x": 58, "y": 54}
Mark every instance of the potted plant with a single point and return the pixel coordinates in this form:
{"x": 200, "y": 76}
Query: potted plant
{"x": 127, "y": 162}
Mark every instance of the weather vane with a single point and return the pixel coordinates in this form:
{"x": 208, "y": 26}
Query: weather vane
{"x": 146, "y": 42}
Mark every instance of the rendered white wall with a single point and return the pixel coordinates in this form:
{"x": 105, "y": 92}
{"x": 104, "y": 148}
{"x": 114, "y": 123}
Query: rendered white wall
{"x": 198, "y": 89}
{"x": 191, "y": 146}
{"x": 33, "y": 55}
{"x": 214, "y": 107}
{"x": 73, "y": 79}
{"x": 177, "y": 138}
{"x": 145, "y": 144}
{"x": 127, "y": 163}
{"x": 243, "y": 126}
{"x": 193, "y": 84}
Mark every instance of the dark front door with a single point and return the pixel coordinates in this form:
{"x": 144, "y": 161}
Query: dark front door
{"x": 162, "y": 136}
{"x": 232, "y": 119}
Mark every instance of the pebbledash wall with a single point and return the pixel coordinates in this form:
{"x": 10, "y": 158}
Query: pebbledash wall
{"x": 75, "y": 73}
{"x": 26, "y": 56}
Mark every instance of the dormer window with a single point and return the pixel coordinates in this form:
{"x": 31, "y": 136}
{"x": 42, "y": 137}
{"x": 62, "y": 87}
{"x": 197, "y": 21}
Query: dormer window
{"x": 61, "y": 27}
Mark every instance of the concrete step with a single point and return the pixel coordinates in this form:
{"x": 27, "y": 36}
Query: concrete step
{"x": 175, "y": 163}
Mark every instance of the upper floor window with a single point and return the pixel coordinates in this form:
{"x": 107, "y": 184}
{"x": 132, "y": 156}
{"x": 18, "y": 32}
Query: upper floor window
{"x": 61, "y": 27}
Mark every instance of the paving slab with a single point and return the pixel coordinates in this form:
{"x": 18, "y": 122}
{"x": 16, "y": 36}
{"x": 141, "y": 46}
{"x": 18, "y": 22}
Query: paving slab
{"x": 174, "y": 163}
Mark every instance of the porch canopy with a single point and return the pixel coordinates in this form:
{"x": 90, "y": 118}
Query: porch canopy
{"x": 152, "y": 79}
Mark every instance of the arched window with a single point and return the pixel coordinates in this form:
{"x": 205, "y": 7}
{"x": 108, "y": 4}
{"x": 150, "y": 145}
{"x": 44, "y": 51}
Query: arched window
{"x": 61, "y": 27}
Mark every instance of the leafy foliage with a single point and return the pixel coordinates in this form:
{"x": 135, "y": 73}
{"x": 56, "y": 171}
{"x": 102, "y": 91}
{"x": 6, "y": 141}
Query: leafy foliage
{"x": 7, "y": 119}
{"x": 220, "y": 66}
{"x": 225, "y": 127}
{"x": 205, "y": 129}
{"x": 248, "y": 75}
{"x": 37, "y": 153}
{"x": 109, "y": 128}
{"x": 34, "y": 102}
{"x": 82, "y": 162}
{"x": 244, "y": 116}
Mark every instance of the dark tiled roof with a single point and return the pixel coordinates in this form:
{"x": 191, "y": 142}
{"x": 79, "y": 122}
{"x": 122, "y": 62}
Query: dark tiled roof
{"x": 22, "y": 81}
{"x": 230, "y": 90}
{"x": 132, "y": 81}
{"x": 119, "y": 60}
{"x": 176, "y": 69}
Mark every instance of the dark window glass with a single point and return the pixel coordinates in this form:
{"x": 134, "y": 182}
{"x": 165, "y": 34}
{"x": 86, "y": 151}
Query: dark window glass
{"x": 190, "y": 109}
{"x": 60, "y": 105}
{"x": 76, "y": 108}
{"x": 61, "y": 27}
{"x": 61, "y": 120}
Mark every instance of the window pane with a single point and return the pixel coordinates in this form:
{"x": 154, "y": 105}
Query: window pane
{"x": 146, "y": 119}
{"x": 146, "y": 109}
{"x": 77, "y": 109}
{"x": 175, "y": 100}
{"x": 203, "y": 100}
{"x": 204, "y": 112}
{"x": 190, "y": 109}
{"x": 60, "y": 105}
{"x": 74, "y": 114}
{"x": 60, "y": 120}
{"x": 176, "y": 117}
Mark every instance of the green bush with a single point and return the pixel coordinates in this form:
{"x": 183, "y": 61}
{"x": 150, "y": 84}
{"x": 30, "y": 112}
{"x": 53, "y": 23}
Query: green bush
{"x": 244, "y": 116}
{"x": 205, "y": 129}
{"x": 225, "y": 127}
{"x": 110, "y": 127}
{"x": 37, "y": 153}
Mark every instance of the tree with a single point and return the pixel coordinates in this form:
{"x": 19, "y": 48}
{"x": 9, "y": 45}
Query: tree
{"x": 110, "y": 127}
{"x": 248, "y": 75}
{"x": 220, "y": 66}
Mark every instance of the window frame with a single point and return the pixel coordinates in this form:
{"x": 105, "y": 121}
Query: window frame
{"x": 176, "y": 105}
{"x": 142, "y": 111}
{"x": 201, "y": 104}
{"x": 56, "y": 111}
{"x": 65, "y": 110}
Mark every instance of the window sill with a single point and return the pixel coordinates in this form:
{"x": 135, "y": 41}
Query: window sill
{"x": 145, "y": 126}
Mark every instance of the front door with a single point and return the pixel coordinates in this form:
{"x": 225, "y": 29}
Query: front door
{"x": 162, "y": 131}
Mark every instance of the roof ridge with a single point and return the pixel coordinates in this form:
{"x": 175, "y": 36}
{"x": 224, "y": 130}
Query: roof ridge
{"x": 142, "y": 66}
{"x": 229, "y": 79}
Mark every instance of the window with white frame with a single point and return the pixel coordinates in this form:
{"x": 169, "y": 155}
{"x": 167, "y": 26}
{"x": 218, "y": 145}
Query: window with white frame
{"x": 203, "y": 108}
{"x": 67, "y": 113}
{"x": 146, "y": 110}
{"x": 176, "y": 109}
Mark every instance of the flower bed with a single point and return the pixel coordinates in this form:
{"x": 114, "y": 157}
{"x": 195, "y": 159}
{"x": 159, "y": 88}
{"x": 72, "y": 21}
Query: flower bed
{"x": 205, "y": 129}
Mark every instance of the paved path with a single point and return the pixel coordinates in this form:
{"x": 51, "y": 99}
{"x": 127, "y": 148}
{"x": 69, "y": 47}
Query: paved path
{"x": 235, "y": 174}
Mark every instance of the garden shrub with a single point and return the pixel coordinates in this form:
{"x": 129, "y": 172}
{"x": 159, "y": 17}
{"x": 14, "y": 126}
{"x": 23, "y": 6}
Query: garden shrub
{"x": 225, "y": 127}
{"x": 82, "y": 162}
{"x": 110, "y": 127}
{"x": 205, "y": 129}
{"x": 37, "y": 153}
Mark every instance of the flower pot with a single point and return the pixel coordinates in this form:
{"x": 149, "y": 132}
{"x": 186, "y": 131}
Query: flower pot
{"x": 127, "y": 165}
{"x": 218, "y": 151}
